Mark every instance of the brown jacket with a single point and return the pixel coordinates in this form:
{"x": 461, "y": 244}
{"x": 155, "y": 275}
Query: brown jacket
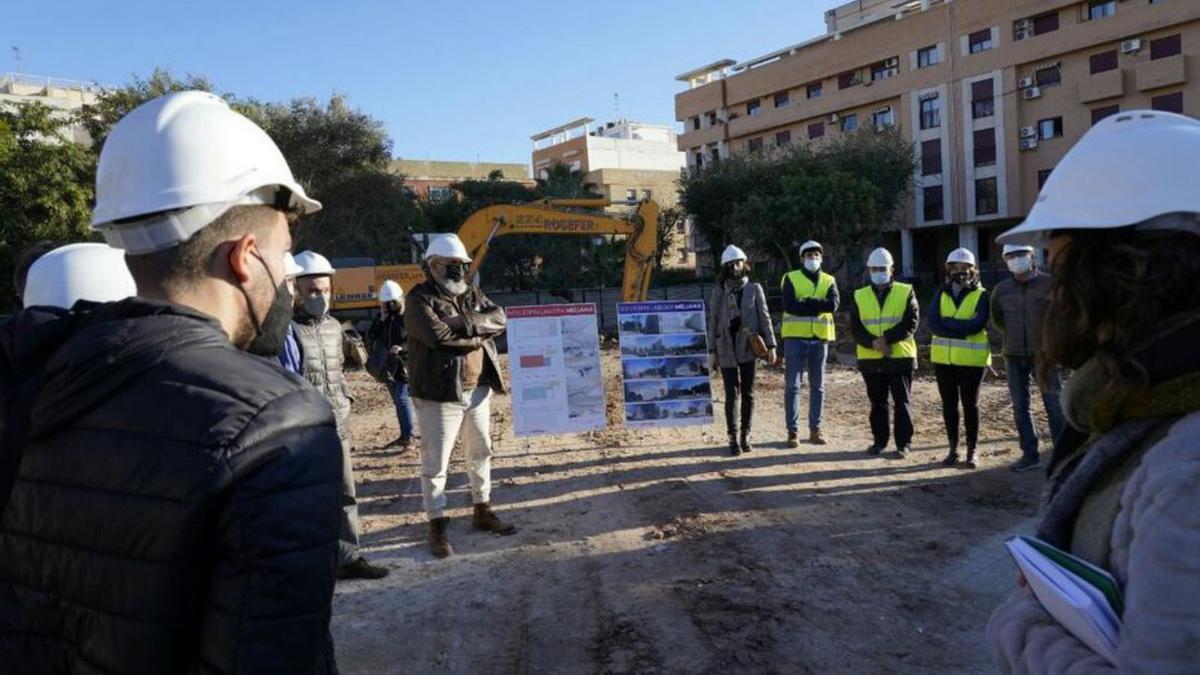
{"x": 442, "y": 330}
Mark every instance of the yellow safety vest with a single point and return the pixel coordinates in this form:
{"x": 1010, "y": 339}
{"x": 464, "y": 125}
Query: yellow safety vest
{"x": 974, "y": 350}
{"x": 809, "y": 327}
{"x": 880, "y": 320}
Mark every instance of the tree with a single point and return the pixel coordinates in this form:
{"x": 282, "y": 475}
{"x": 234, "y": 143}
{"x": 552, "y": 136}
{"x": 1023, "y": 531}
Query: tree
{"x": 563, "y": 182}
{"x": 670, "y": 222}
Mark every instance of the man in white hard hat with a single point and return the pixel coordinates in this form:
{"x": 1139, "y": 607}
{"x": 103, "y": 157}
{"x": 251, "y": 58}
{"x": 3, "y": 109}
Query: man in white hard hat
{"x": 322, "y": 358}
{"x": 289, "y": 355}
{"x": 810, "y": 297}
{"x": 387, "y": 332}
{"x": 453, "y": 370}
{"x": 68, "y": 274}
{"x": 883, "y": 320}
{"x": 1018, "y": 307}
{"x": 173, "y": 501}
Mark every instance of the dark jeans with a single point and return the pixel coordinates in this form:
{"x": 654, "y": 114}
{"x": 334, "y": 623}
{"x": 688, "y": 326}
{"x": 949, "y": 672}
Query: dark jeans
{"x": 739, "y": 380}
{"x": 957, "y": 383}
{"x": 878, "y": 387}
{"x": 1020, "y": 374}
{"x": 404, "y": 409}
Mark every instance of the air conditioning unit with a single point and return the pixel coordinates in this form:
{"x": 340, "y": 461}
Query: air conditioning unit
{"x": 1023, "y": 34}
{"x": 1025, "y": 83}
{"x": 1032, "y": 93}
{"x": 1029, "y": 132}
{"x": 1131, "y": 46}
{"x": 1029, "y": 143}
{"x": 893, "y": 62}
{"x": 833, "y": 118}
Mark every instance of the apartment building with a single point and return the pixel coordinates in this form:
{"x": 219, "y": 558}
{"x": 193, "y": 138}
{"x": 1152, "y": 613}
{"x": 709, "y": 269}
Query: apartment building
{"x": 992, "y": 94}
{"x": 62, "y": 95}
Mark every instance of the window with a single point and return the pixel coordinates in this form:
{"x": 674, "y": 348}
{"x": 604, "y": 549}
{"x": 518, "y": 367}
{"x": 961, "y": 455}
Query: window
{"x": 439, "y": 193}
{"x": 699, "y": 160}
{"x": 847, "y": 80}
{"x": 631, "y": 195}
{"x": 933, "y": 203}
{"x": 985, "y": 147}
{"x": 754, "y": 107}
{"x": 1046, "y": 23}
{"x": 1050, "y": 128}
{"x": 1168, "y": 102}
{"x": 816, "y": 130}
{"x": 931, "y": 112}
{"x": 1108, "y": 110}
{"x": 929, "y": 56}
{"x": 1043, "y": 176}
{"x": 696, "y": 123}
{"x": 783, "y": 138}
{"x": 980, "y": 41}
{"x": 1046, "y": 77}
{"x": 885, "y": 69}
{"x": 813, "y": 90}
{"x": 931, "y": 157}
{"x": 647, "y": 194}
{"x": 712, "y": 118}
{"x": 983, "y": 101}
{"x": 1098, "y": 9}
{"x": 1166, "y": 47}
{"x": 781, "y": 99}
{"x": 985, "y": 197}
{"x": 849, "y": 123}
{"x": 715, "y": 153}
{"x": 1103, "y": 62}
{"x": 883, "y": 118}
{"x": 755, "y": 144}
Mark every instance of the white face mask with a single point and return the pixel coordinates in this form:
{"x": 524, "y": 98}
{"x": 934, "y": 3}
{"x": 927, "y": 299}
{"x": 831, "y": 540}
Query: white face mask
{"x": 880, "y": 278}
{"x": 1019, "y": 264}
{"x": 812, "y": 264}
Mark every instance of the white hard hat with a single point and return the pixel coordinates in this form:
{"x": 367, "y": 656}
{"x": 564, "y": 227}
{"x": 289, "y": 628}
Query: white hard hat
{"x": 1127, "y": 169}
{"x": 95, "y": 272}
{"x": 313, "y": 264}
{"x": 390, "y": 291}
{"x": 184, "y": 159}
{"x": 880, "y": 257}
{"x": 732, "y": 253}
{"x": 810, "y": 244}
{"x": 447, "y": 246}
{"x": 1017, "y": 248}
{"x": 961, "y": 255}
{"x": 290, "y": 268}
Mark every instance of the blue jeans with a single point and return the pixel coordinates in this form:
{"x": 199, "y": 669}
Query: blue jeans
{"x": 404, "y": 409}
{"x": 1020, "y": 374}
{"x": 801, "y": 355}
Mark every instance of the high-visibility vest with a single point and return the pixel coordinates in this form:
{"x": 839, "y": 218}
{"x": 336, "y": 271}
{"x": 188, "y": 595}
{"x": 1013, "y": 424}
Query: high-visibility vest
{"x": 809, "y": 327}
{"x": 879, "y": 320}
{"x": 972, "y": 351}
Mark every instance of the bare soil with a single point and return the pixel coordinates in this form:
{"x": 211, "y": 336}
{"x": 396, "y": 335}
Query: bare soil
{"x": 656, "y": 552}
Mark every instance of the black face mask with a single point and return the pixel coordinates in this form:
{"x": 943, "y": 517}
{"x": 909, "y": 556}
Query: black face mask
{"x": 270, "y": 331}
{"x": 960, "y": 278}
{"x": 456, "y": 272}
{"x": 393, "y": 307}
{"x": 734, "y": 271}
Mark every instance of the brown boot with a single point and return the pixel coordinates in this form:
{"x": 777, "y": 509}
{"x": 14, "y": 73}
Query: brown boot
{"x": 439, "y": 545}
{"x": 793, "y": 440}
{"x": 487, "y": 521}
{"x": 814, "y": 437}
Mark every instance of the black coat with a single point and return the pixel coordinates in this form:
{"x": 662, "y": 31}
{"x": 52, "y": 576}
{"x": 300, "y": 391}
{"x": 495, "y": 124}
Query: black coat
{"x": 177, "y": 505}
{"x": 389, "y": 328}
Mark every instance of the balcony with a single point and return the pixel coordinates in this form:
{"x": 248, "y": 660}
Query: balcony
{"x": 1162, "y": 73}
{"x": 695, "y": 139}
{"x": 1109, "y": 84}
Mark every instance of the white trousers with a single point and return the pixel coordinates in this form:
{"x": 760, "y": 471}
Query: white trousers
{"x": 440, "y": 424}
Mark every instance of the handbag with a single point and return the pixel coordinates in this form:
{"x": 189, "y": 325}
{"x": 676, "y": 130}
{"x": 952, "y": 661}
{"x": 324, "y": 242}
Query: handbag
{"x": 757, "y": 344}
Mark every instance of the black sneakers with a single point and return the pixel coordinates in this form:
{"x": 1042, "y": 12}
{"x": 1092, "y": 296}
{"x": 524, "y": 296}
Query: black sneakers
{"x": 1025, "y": 464}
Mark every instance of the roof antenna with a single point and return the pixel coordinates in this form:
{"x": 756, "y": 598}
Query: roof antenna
{"x": 17, "y": 56}
{"x": 617, "y": 105}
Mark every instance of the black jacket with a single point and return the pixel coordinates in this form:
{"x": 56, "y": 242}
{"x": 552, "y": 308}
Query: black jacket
{"x": 442, "y": 330}
{"x": 903, "y": 330}
{"x": 177, "y": 505}
{"x": 389, "y": 328}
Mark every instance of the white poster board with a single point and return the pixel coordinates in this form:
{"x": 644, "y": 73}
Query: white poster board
{"x": 554, "y": 364}
{"x": 664, "y": 364}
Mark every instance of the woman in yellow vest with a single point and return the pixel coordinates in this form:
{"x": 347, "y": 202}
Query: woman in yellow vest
{"x": 883, "y": 319}
{"x": 810, "y": 297}
{"x": 960, "y": 351}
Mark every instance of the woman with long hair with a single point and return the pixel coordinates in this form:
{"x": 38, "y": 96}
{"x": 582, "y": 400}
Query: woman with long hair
{"x": 1121, "y": 218}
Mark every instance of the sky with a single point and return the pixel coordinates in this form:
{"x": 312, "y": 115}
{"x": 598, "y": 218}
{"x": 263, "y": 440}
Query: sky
{"x": 451, "y": 80}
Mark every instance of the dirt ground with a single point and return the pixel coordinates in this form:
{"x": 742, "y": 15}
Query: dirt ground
{"x": 656, "y": 552}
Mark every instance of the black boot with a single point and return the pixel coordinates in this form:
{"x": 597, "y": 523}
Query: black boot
{"x": 734, "y": 448}
{"x": 971, "y": 463}
{"x": 951, "y": 458}
{"x": 746, "y": 447}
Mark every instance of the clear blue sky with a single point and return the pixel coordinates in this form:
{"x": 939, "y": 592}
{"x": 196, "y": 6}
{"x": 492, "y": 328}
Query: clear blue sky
{"x": 451, "y": 80}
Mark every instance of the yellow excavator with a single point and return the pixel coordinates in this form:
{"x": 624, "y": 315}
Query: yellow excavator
{"x": 355, "y": 287}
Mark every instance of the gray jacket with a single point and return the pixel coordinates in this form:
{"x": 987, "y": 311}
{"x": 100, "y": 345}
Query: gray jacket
{"x": 323, "y": 358}
{"x": 1018, "y": 308}
{"x": 732, "y": 350}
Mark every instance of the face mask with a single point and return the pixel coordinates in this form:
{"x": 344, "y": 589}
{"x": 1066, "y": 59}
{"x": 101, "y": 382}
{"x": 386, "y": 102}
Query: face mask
{"x": 317, "y": 305}
{"x": 393, "y": 308}
{"x": 269, "y": 333}
{"x": 812, "y": 264}
{"x": 960, "y": 278}
{"x": 734, "y": 271}
{"x": 1019, "y": 264}
{"x": 456, "y": 272}
{"x": 880, "y": 278}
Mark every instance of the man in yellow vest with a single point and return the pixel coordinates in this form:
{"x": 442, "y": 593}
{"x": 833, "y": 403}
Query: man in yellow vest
{"x": 810, "y": 297}
{"x": 883, "y": 320}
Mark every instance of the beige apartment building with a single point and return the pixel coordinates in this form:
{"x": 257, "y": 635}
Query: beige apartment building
{"x": 63, "y": 95}
{"x": 992, "y": 94}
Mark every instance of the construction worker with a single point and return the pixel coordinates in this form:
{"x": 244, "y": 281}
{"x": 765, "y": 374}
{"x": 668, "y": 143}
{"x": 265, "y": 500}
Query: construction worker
{"x": 810, "y": 297}
{"x": 1018, "y": 306}
{"x": 170, "y": 492}
{"x": 883, "y": 320}
{"x": 737, "y": 313}
{"x": 389, "y": 327}
{"x": 68, "y": 274}
{"x": 960, "y": 351}
{"x": 322, "y": 355}
{"x": 453, "y": 370}
{"x": 289, "y": 355}
{"x": 1121, "y": 218}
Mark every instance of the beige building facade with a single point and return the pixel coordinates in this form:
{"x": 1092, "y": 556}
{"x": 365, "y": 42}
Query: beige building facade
{"x": 432, "y": 179}
{"x": 62, "y": 95}
{"x": 991, "y": 93}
